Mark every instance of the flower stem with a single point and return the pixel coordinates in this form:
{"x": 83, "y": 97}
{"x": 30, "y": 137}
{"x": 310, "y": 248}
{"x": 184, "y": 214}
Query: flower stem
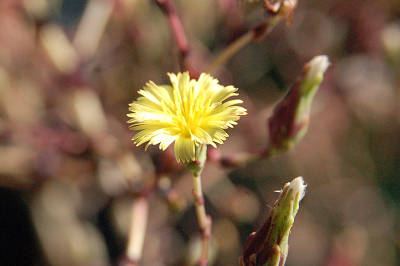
{"x": 203, "y": 219}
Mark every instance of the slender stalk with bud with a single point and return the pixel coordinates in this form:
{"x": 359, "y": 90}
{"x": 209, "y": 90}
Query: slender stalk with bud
{"x": 290, "y": 118}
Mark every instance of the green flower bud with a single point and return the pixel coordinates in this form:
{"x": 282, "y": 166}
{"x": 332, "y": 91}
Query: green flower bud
{"x": 269, "y": 245}
{"x": 290, "y": 118}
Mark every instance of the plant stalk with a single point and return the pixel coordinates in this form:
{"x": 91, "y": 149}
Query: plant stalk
{"x": 203, "y": 219}
{"x": 254, "y": 34}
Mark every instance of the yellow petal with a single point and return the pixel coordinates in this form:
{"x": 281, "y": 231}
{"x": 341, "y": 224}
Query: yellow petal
{"x": 184, "y": 149}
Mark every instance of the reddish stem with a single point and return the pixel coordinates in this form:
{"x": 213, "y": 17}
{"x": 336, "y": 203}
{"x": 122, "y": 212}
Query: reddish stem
{"x": 168, "y": 7}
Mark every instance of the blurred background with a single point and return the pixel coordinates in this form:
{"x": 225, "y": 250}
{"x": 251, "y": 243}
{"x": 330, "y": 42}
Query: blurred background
{"x": 69, "y": 172}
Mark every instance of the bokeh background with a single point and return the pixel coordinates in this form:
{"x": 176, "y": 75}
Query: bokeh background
{"x": 69, "y": 172}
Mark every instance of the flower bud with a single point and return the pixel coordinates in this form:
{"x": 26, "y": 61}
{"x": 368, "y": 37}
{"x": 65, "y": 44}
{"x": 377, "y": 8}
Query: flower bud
{"x": 269, "y": 245}
{"x": 289, "y": 121}
{"x": 283, "y": 8}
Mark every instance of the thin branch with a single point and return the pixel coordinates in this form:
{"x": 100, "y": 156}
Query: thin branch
{"x": 168, "y": 7}
{"x": 254, "y": 34}
{"x": 203, "y": 219}
{"x": 243, "y": 159}
{"x": 231, "y": 50}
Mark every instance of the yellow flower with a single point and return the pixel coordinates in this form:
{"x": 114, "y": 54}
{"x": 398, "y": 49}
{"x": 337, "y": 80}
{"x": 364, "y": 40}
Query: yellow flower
{"x": 189, "y": 112}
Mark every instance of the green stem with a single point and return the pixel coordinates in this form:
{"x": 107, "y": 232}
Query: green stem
{"x": 229, "y": 51}
{"x": 203, "y": 219}
{"x": 256, "y": 33}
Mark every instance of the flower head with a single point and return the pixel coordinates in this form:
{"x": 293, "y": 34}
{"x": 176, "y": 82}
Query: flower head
{"x": 189, "y": 112}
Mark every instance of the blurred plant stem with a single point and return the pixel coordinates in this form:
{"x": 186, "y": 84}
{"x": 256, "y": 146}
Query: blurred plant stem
{"x": 92, "y": 27}
{"x": 140, "y": 210}
{"x": 276, "y": 11}
{"x": 269, "y": 245}
{"x": 253, "y": 34}
{"x": 204, "y": 220}
{"x": 229, "y": 51}
{"x": 168, "y": 7}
